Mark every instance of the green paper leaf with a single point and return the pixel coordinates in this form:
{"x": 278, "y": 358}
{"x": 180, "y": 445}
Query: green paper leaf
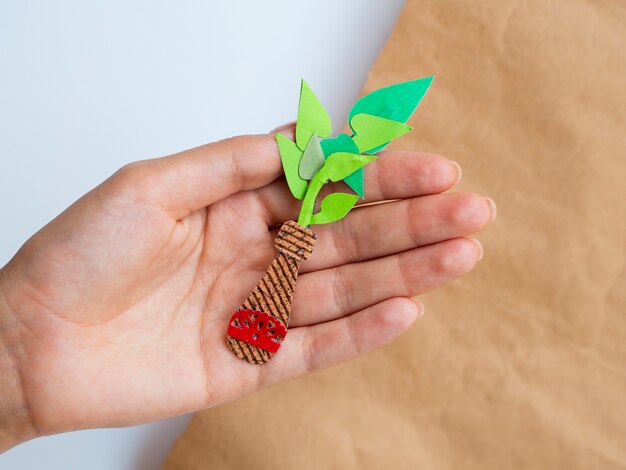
{"x": 341, "y": 143}
{"x": 344, "y": 143}
{"x": 312, "y": 158}
{"x": 312, "y": 117}
{"x": 341, "y": 164}
{"x": 290, "y": 156}
{"x": 395, "y": 102}
{"x": 334, "y": 207}
{"x": 356, "y": 181}
{"x": 372, "y": 132}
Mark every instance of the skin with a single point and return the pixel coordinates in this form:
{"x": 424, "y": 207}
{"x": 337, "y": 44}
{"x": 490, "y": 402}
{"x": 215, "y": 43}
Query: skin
{"x": 115, "y": 313}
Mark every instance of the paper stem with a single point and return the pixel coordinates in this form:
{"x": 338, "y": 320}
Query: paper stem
{"x": 308, "y": 203}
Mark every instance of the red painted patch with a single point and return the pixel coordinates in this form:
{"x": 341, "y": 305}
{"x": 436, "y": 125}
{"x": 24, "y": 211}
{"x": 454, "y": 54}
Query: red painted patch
{"x": 259, "y": 329}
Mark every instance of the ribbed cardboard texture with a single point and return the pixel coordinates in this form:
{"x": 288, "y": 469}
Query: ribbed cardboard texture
{"x": 521, "y": 364}
{"x": 274, "y": 291}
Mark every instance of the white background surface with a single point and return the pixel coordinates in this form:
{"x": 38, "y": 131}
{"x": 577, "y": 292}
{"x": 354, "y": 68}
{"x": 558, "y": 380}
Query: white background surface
{"x": 86, "y": 87}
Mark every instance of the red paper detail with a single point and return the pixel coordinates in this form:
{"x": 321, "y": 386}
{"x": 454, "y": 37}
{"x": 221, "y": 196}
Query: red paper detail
{"x": 259, "y": 329}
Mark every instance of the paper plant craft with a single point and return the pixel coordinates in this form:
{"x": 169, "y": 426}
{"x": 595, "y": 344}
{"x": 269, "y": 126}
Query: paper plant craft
{"x": 259, "y": 326}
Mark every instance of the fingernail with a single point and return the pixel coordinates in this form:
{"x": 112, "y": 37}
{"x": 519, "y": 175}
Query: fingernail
{"x": 420, "y": 308}
{"x": 479, "y": 247}
{"x": 284, "y": 126}
{"x": 459, "y": 172}
{"x": 492, "y": 209}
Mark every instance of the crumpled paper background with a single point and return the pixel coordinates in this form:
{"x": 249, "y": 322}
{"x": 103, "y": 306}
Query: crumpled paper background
{"x": 521, "y": 364}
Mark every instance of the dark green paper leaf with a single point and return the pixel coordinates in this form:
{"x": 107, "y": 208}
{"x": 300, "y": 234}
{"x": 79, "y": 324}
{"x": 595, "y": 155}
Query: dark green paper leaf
{"x": 312, "y": 117}
{"x": 344, "y": 143}
{"x": 290, "y": 156}
{"x": 312, "y": 158}
{"x": 341, "y": 143}
{"x": 334, "y": 207}
{"x": 372, "y": 132}
{"x": 395, "y": 102}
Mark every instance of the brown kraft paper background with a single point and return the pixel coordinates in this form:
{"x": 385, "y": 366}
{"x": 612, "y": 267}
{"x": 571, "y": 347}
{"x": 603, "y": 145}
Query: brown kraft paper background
{"x": 522, "y": 363}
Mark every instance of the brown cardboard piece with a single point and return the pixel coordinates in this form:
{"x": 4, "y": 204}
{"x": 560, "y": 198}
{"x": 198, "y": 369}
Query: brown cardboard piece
{"x": 274, "y": 292}
{"x": 521, "y": 364}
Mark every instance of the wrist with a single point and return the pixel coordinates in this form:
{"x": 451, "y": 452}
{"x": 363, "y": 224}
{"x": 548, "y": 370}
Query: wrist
{"x": 16, "y": 423}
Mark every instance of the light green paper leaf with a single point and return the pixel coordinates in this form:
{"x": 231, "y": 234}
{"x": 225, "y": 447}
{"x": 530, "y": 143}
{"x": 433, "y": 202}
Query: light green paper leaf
{"x": 312, "y": 158}
{"x": 290, "y": 156}
{"x": 344, "y": 143}
{"x": 334, "y": 207}
{"x": 312, "y": 117}
{"x": 395, "y": 102}
{"x": 341, "y": 164}
{"x": 374, "y": 131}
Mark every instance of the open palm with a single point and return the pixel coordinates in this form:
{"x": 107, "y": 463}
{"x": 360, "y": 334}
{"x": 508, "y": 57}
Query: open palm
{"x": 121, "y": 304}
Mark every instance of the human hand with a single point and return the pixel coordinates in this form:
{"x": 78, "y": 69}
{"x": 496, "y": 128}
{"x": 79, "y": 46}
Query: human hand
{"x": 115, "y": 313}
